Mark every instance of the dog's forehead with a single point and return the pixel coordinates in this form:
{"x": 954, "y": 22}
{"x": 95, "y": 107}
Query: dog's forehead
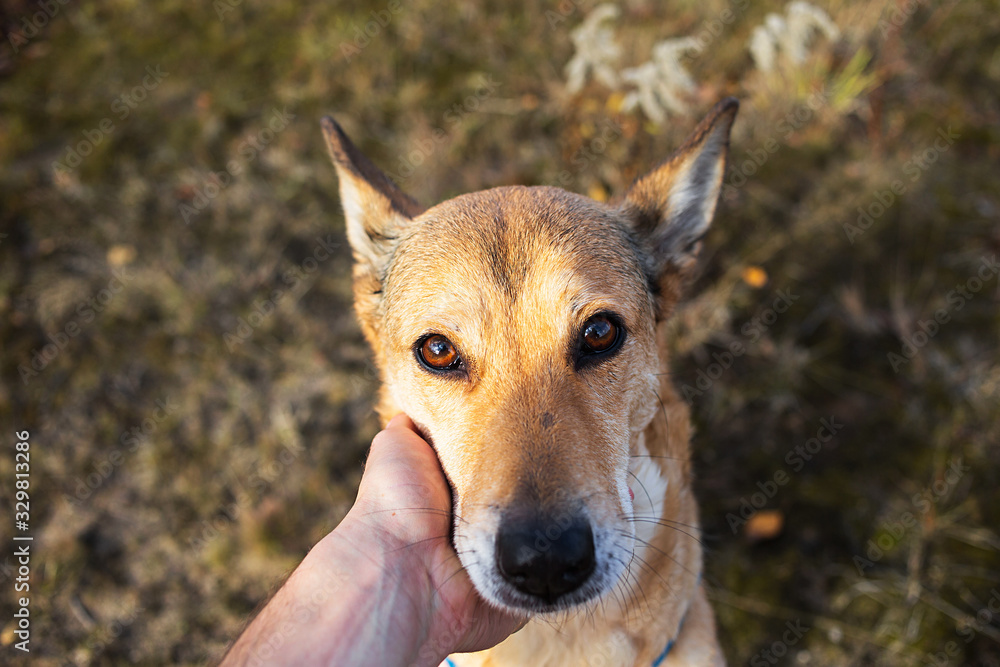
{"x": 510, "y": 244}
{"x": 512, "y": 231}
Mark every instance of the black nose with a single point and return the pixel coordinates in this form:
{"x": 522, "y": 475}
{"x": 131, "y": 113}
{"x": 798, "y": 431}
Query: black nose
{"x": 544, "y": 557}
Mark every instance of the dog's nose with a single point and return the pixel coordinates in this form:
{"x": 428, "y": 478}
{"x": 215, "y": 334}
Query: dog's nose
{"x": 542, "y": 558}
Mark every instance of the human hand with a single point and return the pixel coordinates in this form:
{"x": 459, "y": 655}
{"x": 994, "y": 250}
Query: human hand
{"x": 404, "y": 505}
{"x": 385, "y": 587}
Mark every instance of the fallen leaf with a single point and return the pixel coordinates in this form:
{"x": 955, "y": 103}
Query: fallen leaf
{"x": 764, "y": 525}
{"x": 119, "y": 255}
{"x": 754, "y": 276}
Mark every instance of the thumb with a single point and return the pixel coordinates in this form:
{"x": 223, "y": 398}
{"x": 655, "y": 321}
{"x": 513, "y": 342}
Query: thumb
{"x": 402, "y": 471}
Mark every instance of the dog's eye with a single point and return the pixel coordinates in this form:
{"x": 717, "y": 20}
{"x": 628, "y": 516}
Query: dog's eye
{"x": 438, "y": 353}
{"x": 600, "y": 334}
{"x": 600, "y": 339}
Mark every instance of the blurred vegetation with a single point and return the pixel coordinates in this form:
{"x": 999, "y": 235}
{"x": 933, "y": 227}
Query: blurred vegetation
{"x": 161, "y": 526}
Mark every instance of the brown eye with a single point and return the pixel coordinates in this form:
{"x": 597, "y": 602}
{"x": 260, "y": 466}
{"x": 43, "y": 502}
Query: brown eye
{"x": 600, "y": 334}
{"x": 601, "y": 337}
{"x": 438, "y": 353}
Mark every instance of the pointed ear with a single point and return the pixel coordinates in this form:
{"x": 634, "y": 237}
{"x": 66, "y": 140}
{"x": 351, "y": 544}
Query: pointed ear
{"x": 375, "y": 209}
{"x": 376, "y": 212}
{"x": 671, "y": 208}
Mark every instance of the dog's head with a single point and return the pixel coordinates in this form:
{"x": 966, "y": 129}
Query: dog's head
{"x": 516, "y": 326}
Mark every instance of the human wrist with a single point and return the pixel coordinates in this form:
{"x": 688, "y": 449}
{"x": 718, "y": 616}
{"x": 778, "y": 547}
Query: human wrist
{"x": 386, "y": 595}
{"x": 421, "y": 568}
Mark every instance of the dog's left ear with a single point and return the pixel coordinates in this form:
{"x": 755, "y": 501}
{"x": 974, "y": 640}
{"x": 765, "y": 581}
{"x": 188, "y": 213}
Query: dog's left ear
{"x": 376, "y": 210}
{"x": 671, "y": 208}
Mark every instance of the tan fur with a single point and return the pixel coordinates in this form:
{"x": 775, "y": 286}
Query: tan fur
{"x": 510, "y": 275}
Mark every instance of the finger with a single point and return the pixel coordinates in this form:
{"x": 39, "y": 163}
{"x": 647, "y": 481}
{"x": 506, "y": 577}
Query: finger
{"x": 402, "y": 469}
{"x": 399, "y": 442}
{"x": 401, "y": 420}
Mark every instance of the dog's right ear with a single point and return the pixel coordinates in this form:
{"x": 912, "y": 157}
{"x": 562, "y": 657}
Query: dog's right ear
{"x": 671, "y": 208}
{"x": 375, "y": 209}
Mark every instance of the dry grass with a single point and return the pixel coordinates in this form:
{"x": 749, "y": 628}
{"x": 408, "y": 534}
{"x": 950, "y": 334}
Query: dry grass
{"x": 179, "y": 535}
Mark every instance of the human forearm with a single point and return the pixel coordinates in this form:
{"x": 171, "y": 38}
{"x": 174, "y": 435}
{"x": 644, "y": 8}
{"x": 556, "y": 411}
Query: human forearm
{"x": 352, "y": 601}
{"x": 386, "y": 587}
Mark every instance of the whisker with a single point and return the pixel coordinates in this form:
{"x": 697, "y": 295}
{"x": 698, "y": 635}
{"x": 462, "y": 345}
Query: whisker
{"x": 666, "y": 524}
{"x": 663, "y": 409}
{"x": 643, "y": 487}
{"x": 643, "y": 563}
{"x": 442, "y": 564}
{"x": 448, "y": 578}
{"x": 631, "y": 589}
{"x": 675, "y": 522}
{"x": 665, "y": 554}
{"x": 655, "y": 456}
{"x": 666, "y": 587}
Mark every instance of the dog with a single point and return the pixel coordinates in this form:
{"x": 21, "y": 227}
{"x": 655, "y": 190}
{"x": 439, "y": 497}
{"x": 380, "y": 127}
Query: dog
{"x": 519, "y": 327}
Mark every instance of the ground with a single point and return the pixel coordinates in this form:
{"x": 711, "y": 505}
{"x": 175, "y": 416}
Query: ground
{"x": 177, "y": 334}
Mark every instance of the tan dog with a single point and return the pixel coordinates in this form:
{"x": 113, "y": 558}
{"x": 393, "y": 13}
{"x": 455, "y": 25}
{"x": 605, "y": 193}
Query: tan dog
{"x": 518, "y": 328}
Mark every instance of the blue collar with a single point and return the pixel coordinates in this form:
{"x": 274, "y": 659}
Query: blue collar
{"x": 670, "y": 644}
{"x": 663, "y": 656}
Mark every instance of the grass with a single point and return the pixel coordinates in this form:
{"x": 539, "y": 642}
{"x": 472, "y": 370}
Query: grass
{"x": 153, "y": 545}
